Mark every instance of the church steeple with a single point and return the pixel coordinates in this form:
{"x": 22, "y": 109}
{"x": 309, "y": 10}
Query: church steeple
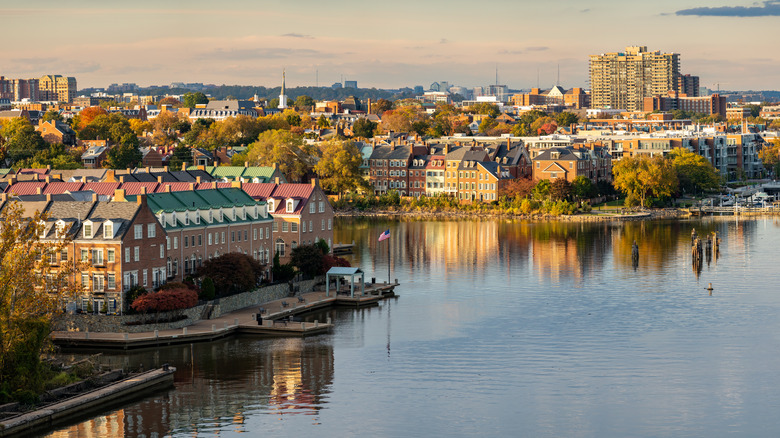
{"x": 283, "y": 96}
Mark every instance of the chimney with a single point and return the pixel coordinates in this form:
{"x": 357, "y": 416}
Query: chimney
{"x": 48, "y": 197}
{"x": 48, "y": 167}
{"x": 216, "y": 163}
{"x": 203, "y": 168}
{"x": 39, "y": 191}
{"x": 236, "y": 184}
{"x": 147, "y": 169}
{"x": 197, "y": 179}
{"x": 143, "y": 190}
{"x": 192, "y": 186}
{"x": 184, "y": 166}
{"x": 213, "y": 184}
{"x": 314, "y": 182}
{"x": 508, "y": 144}
{"x": 95, "y": 197}
{"x": 446, "y": 148}
{"x": 141, "y": 199}
{"x": 165, "y": 169}
{"x": 167, "y": 188}
{"x": 110, "y": 176}
{"x": 47, "y": 179}
{"x": 122, "y": 179}
{"x": 84, "y": 179}
{"x": 246, "y": 163}
{"x": 276, "y": 180}
{"x": 160, "y": 179}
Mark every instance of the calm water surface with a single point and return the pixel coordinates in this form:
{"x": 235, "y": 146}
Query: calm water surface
{"x": 503, "y": 328}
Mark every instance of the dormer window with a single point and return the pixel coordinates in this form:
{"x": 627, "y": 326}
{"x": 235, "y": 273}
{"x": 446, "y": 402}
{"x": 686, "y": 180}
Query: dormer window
{"x": 88, "y": 229}
{"x": 197, "y": 217}
{"x": 43, "y": 228}
{"x": 108, "y": 230}
{"x": 290, "y": 206}
{"x": 59, "y": 230}
{"x": 211, "y": 216}
{"x": 186, "y": 218}
{"x": 271, "y": 205}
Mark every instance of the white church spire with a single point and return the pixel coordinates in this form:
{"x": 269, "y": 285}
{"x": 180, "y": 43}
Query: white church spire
{"x": 283, "y": 97}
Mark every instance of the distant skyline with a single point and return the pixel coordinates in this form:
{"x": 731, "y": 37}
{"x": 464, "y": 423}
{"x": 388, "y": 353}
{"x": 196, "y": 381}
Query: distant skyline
{"x": 383, "y": 44}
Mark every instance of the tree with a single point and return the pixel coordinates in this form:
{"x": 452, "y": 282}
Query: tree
{"x": 232, "y": 273}
{"x": 566, "y": 118}
{"x": 694, "y": 172}
{"x": 286, "y": 150}
{"x": 487, "y": 124}
{"x": 639, "y": 177}
{"x": 363, "y": 127}
{"x": 292, "y": 117}
{"x": 582, "y": 188}
{"x": 323, "y": 123}
{"x": 485, "y": 108}
{"x": 190, "y": 100}
{"x": 541, "y": 190}
{"x": 20, "y": 140}
{"x": 560, "y": 189}
{"x": 181, "y": 154}
{"x": 770, "y": 156}
{"x": 308, "y": 259}
{"x": 52, "y": 115}
{"x": 381, "y": 106}
{"x": 517, "y": 188}
{"x": 31, "y": 293}
{"x": 339, "y": 167}
{"x": 304, "y": 102}
{"x": 58, "y": 156}
{"x": 169, "y": 100}
{"x": 124, "y": 155}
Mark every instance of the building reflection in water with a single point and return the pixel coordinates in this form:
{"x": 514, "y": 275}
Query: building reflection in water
{"x": 218, "y": 385}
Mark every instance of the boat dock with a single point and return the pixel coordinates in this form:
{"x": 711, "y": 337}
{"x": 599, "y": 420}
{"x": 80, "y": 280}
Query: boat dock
{"x": 342, "y": 248}
{"x": 276, "y": 318}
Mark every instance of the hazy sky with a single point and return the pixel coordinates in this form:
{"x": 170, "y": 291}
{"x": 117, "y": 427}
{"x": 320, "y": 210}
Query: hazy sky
{"x": 384, "y": 44}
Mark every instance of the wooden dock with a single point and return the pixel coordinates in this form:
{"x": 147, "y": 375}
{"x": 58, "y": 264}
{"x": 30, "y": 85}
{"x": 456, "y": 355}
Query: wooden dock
{"x": 342, "y": 248}
{"x": 276, "y": 316}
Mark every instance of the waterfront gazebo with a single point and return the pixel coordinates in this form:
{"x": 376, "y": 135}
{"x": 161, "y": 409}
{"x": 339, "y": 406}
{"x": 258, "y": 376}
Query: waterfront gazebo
{"x": 338, "y": 272}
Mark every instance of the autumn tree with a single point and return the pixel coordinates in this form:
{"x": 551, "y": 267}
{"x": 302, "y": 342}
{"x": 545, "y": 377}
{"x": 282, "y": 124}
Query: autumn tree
{"x": 86, "y": 116}
{"x": 20, "y": 141}
{"x": 582, "y": 188}
{"x": 52, "y": 115}
{"x": 32, "y": 292}
{"x": 694, "y": 172}
{"x": 323, "y": 123}
{"x": 339, "y": 167}
{"x": 283, "y": 148}
{"x": 140, "y": 126}
{"x": 566, "y": 118}
{"x": 381, "y": 106}
{"x": 169, "y": 100}
{"x": 517, "y": 188}
{"x": 770, "y": 156}
{"x": 232, "y": 273}
{"x": 304, "y": 102}
{"x": 640, "y": 177}
{"x": 560, "y": 189}
{"x": 486, "y": 108}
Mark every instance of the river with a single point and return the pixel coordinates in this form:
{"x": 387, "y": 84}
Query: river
{"x": 503, "y": 328}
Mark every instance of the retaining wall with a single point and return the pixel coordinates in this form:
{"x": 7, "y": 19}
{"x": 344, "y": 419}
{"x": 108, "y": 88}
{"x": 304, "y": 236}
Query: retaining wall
{"x": 119, "y": 323}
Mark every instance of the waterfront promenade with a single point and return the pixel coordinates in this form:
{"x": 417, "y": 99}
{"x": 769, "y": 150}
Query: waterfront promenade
{"x": 277, "y": 320}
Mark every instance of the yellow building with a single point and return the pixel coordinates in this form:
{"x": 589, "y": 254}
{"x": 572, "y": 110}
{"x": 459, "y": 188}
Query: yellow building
{"x": 57, "y": 87}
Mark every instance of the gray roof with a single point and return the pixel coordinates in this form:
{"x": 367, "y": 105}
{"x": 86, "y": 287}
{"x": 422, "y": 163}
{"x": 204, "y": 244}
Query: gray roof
{"x": 73, "y": 210}
{"x": 566, "y": 154}
{"x": 388, "y": 153}
{"x": 231, "y": 105}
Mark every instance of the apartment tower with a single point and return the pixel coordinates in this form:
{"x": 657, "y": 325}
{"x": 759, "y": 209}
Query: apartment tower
{"x": 621, "y": 80}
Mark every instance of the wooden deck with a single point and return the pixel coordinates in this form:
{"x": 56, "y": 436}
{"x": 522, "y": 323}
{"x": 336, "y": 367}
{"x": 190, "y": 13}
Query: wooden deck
{"x": 277, "y": 321}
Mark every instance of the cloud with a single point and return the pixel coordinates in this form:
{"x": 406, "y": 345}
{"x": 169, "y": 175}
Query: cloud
{"x": 585, "y": 10}
{"x": 510, "y": 52}
{"x": 298, "y": 35}
{"x": 262, "y": 53}
{"x": 770, "y": 8}
{"x": 537, "y": 48}
{"x": 443, "y": 41}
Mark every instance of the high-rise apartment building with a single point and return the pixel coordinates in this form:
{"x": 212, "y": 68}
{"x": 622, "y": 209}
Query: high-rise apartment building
{"x": 688, "y": 85}
{"x": 621, "y": 80}
{"x": 18, "y": 89}
{"x": 57, "y": 87}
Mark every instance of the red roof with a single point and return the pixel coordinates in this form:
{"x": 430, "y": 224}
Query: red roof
{"x": 101, "y": 188}
{"x": 134, "y": 188}
{"x": 58, "y": 188}
{"x": 302, "y": 192}
{"x": 175, "y": 187}
{"x": 42, "y": 171}
{"x": 259, "y": 191}
{"x": 26, "y": 188}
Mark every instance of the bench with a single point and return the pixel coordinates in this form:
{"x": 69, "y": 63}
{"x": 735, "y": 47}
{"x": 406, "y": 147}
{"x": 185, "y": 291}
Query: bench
{"x": 301, "y": 299}
{"x": 285, "y": 304}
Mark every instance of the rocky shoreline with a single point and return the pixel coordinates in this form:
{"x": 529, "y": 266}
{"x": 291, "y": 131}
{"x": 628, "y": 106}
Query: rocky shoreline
{"x": 668, "y": 213}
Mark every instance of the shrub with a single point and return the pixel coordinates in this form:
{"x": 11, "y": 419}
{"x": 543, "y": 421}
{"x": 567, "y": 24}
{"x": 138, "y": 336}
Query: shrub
{"x": 166, "y": 300}
{"x": 207, "y": 289}
{"x": 232, "y": 273}
{"x": 131, "y": 295}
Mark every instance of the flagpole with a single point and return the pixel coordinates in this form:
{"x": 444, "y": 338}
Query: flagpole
{"x": 388, "y": 261}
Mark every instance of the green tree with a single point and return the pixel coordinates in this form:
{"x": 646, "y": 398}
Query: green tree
{"x": 283, "y": 148}
{"x": 541, "y": 190}
{"x": 694, "y": 172}
{"x": 58, "y": 156}
{"x": 566, "y": 119}
{"x": 292, "y": 117}
{"x": 125, "y": 154}
{"x": 323, "y": 122}
{"x": 181, "y": 154}
{"x": 487, "y": 124}
{"x": 20, "y": 141}
{"x": 304, "y": 102}
{"x": 582, "y": 188}
{"x": 190, "y": 100}
{"x": 52, "y": 115}
{"x": 640, "y": 177}
{"x": 486, "y": 108}
{"x": 339, "y": 167}
{"x": 381, "y": 106}
{"x": 308, "y": 259}
{"x": 363, "y": 128}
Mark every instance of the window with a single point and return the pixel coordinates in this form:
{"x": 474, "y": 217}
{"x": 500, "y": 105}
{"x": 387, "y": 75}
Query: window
{"x": 276, "y": 227}
{"x": 110, "y": 256}
{"x": 150, "y": 231}
{"x": 200, "y": 240}
{"x": 266, "y": 233}
{"x": 108, "y": 230}
{"x": 162, "y": 252}
{"x": 127, "y": 255}
{"x": 84, "y": 255}
{"x": 138, "y": 231}
{"x": 87, "y": 230}
{"x": 254, "y": 234}
{"x": 223, "y": 237}
{"x": 210, "y": 240}
{"x": 85, "y": 281}
{"x": 322, "y": 207}
{"x": 312, "y": 208}
{"x": 294, "y": 227}
{"x": 245, "y": 235}
{"x": 280, "y": 247}
{"x": 311, "y": 226}
{"x": 137, "y": 253}
{"x": 329, "y": 224}
{"x": 175, "y": 242}
{"x": 97, "y": 282}
{"x": 293, "y": 244}
{"x": 64, "y": 255}
{"x": 323, "y": 225}
{"x": 290, "y": 206}
{"x": 232, "y": 236}
{"x": 303, "y": 226}
{"x": 284, "y": 227}
{"x": 167, "y": 243}
{"x": 186, "y": 241}
{"x": 146, "y": 278}
{"x": 111, "y": 281}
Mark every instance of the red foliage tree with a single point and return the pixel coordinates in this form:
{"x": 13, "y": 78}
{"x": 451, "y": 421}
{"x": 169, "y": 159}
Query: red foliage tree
{"x": 87, "y": 115}
{"x": 330, "y": 261}
{"x": 166, "y": 300}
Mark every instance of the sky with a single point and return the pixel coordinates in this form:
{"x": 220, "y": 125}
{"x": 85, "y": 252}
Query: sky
{"x": 730, "y": 45}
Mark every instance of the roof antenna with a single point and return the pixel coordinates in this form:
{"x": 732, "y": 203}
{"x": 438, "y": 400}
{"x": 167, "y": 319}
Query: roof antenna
{"x": 558, "y": 82}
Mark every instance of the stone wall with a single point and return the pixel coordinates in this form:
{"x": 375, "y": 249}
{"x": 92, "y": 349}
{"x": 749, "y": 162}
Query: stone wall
{"x": 119, "y": 323}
